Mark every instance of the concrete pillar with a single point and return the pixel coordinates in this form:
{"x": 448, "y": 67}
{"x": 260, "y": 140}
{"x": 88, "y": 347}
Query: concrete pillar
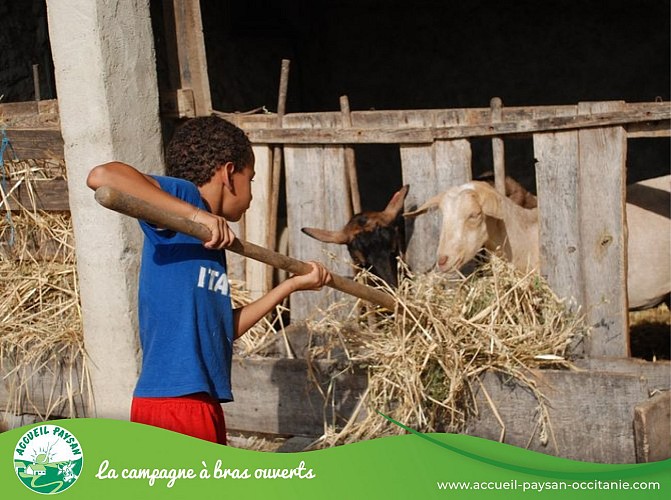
{"x": 107, "y": 89}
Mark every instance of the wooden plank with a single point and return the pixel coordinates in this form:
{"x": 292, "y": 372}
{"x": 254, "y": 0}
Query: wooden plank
{"x": 30, "y": 114}
{"x": 409, "y": 134}
{"x": 601, "y": 195}
{"x": 590, "y": 414}
{"x": 652, "y": 428}
{"x": 430, "y": 169}
{"x": 658, "y": 373}
{"x": 259, "y": 275}
{"x": 35, "y": 143}
{"x": 53, "y": 391}
{"x": 186, "y": 51}
{"x": 559, "y": 237}
{"x": 49, "y": 195}
{"x": 316, "y": 196}
{"x": 279, "y": 396}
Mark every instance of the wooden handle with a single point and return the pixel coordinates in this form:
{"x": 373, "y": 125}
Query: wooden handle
{"x": 129, "y": 205}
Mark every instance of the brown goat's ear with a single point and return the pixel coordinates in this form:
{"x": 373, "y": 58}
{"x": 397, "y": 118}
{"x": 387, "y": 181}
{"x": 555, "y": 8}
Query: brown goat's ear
{"x": 339, "y": 237}
{"x": 395, "y": 205}
{"x": 429, "y": 205}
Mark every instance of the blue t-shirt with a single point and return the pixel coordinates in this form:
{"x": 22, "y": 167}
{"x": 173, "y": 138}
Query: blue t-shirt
{"x": 185, "y": 312}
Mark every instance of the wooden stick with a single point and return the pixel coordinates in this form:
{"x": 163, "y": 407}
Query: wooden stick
{"x": 140, "y": 209}
{"x": 497, "y": 149}
{"x": 277, "y": 167}
{"x": 350, "y": 159}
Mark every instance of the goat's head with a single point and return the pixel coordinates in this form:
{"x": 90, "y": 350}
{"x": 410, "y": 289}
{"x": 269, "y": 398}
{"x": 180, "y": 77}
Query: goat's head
{"x": 465, "y": 210}
{"x": 374, "y": 239}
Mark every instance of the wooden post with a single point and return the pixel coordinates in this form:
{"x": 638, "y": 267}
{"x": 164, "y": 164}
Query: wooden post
{"x": 36, "y": 82}
{"x": 186, "y": 50}
{"x": 350, "y": 159}
{"x": 497, "y": 149}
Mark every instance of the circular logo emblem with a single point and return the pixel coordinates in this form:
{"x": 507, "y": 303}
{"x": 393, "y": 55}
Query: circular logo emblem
{"x": 48, "y": 459}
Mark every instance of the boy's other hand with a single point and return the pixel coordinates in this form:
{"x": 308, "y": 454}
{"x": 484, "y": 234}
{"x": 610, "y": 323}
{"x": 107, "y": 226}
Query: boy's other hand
{"x": 222, "y": 234}
{"x": 314, "y": 280}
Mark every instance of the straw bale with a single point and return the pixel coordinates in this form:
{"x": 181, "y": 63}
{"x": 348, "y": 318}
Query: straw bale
{"x": 425, "y": 359}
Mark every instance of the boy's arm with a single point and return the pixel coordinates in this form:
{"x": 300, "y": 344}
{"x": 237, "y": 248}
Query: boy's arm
{"x": 129, "y": 180}
{"x": 247, "y": 316}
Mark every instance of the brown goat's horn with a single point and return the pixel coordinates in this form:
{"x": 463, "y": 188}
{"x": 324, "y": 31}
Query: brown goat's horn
{"x": 339, "y": 237}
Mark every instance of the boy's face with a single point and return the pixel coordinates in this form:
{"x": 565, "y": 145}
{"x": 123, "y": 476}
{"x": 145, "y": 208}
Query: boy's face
{"x": 237, "y": 201}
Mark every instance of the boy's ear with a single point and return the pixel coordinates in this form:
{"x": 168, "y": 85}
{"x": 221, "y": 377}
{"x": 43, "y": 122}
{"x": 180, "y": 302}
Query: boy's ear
{"x": 226, "y": 173}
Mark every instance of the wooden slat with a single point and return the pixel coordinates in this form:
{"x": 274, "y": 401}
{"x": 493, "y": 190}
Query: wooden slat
{"x": 36, "y": 144}
{"x": 559, "y": 236}
{"x": 316, "y": 197}
{"x": 49, "y": 195}
{"x": 601, "y": 195}
{"x": 258, "y": 274}
{"x": 430, "y": 169}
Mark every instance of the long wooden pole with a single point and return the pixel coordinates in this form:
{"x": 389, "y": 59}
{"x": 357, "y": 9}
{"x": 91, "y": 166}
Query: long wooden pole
{"x": 129, "y": 205}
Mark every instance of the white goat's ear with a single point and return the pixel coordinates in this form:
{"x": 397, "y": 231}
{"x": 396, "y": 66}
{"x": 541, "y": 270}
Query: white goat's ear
{"x": 429, "y": 205}
{"x": 489, "y": 199}
{"x": 339, "y": 237}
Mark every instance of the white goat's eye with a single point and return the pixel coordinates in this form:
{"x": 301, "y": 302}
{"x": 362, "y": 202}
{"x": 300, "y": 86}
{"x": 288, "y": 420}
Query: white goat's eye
{"x": 475, "y": 215}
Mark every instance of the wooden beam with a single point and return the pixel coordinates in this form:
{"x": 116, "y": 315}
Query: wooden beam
{"x": 35, "y": 143}
{"x": 50, "y": 195}
{"x": 423, "y": 135}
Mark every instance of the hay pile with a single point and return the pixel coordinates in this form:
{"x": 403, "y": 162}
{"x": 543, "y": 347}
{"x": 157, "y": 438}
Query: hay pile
{"x": 424, "y": 361}
{"x": 264, "y": 333}
{"x": 42, "y": 357}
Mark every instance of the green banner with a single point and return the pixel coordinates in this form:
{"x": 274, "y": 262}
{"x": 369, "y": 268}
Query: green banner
{"x": 97, "y": 458}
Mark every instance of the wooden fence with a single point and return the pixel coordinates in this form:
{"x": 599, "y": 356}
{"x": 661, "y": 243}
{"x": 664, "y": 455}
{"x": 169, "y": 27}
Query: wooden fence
{"x": 580, "y": 171}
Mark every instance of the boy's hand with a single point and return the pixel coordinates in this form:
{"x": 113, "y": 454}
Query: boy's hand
{"x": 222, "y": 234}
{"x": 314, "y": 280}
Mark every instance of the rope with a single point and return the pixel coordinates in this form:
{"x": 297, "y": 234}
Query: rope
{"x": 4, "y": 177}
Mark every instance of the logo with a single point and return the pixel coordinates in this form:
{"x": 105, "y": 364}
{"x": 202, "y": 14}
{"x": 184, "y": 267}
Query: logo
{"x": 48, "y": 459}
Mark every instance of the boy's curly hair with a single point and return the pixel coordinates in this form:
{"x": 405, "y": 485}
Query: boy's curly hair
{"x": 203, "y": 144}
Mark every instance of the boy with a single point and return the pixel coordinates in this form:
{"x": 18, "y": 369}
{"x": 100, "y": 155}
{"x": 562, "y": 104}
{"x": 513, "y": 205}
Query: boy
{"x": 187, "y": 325}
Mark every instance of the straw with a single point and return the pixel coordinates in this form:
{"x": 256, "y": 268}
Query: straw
{"x": 424, "y": 362}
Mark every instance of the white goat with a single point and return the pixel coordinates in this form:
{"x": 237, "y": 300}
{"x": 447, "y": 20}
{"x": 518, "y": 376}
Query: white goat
{"x": 476, "y": 216}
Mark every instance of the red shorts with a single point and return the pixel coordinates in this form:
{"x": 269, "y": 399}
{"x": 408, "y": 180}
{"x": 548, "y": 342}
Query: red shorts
{"x": 198, "y": 415}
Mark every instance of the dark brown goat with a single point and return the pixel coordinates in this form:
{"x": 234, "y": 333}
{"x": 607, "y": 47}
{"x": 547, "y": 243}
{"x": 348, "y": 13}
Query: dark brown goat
{"x": 374, "y": 239}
